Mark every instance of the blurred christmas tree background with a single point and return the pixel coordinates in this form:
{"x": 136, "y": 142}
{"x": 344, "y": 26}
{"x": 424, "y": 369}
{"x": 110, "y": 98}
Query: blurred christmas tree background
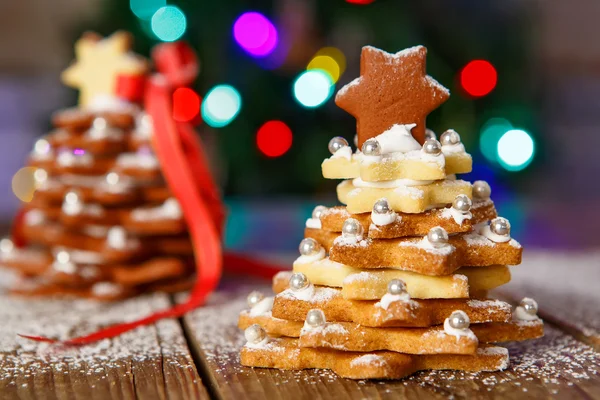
{"x": 260, "y": 48}
{"x": 523, "y": 77}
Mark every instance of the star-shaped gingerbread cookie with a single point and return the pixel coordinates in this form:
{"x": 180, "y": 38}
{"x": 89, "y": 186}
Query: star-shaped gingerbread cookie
{"x": 392, "y": 89}
{"x": 99, "y": 62}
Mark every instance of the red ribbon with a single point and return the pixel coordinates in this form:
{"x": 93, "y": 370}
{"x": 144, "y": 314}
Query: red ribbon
{"x": 186, "y": 171}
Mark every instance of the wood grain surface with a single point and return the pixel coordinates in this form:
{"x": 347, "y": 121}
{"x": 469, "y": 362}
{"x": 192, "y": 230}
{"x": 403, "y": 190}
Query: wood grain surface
{"x": 197, "y": 357}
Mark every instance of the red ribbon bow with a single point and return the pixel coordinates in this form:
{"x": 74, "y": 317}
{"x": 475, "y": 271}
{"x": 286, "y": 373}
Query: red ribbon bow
{"x": 186, "y": 171}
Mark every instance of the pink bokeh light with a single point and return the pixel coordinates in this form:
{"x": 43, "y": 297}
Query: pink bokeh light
{"x": 255, "y": 34}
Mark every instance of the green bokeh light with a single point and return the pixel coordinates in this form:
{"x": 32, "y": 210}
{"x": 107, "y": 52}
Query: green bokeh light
{"x": 168, "y": 23}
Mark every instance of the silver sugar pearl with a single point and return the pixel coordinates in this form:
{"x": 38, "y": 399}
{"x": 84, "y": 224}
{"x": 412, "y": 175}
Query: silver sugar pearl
{"x": 529, "y": 305}
{"x": 462, "y": 203}
{"x": 315, "y": 318}
{"x": 381, "y": 206}
{"x": 41, "y": 146}
{"x": 371, "y": 148}
{"x": 112, "y": 178}
{"x": 99, "y": 124}
{"x": 255, "y": 334}
{"x": 336, "y": 143}
{"x": 438, "y": 237}
{"x": 40, "y": 176}
{"x": 254, "y": 298}
{"x": 356, "y": 141}
{"x": 429, "y": 134}
{"x": 6, "y": 246}
{"x": 433, "y": 147}
{"x": 63, "y": 257}
{"x": 500, "y": 226}
{"x": 481, "y": 190}
{"x": 459, "y": 320}
{"x": 352, "y": 228}
{"x": 298, "y": 281}
{"x": 309, "y": 247}
{"x": 396, "y": 287}
{"x": 72, "y": 198}
{"x": 318, "y": 211}
{"x": 450, "y": 137}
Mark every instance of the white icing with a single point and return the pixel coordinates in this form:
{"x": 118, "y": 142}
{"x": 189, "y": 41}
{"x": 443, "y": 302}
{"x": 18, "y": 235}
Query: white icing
{"x": 396, "y": 183}
{"x": 457, "y": 332}
{"x": 312, "y": 258}
{"x": 68, "y": 159}
{"x": 144, "y": 128}
{"x": 487, "y": 232}
{"x": 398, "y": 139}
{"x": 117, "y": 238}
{"x": 64, "y": 267}
{"x": 384, "y": 219}
{"x": 34, "y": 217}
{"x": 138, "y": 160}
{"x": 72, "y": 208}
{"x": 260, "y": 345}
{"x": 314, "y": 223}
{"x": 170, "y": 209}
{"x": 426, "y": 245}
{"x": 453, "y": 148}
{"x": 408, "y": 191}
{"x": 85, "y": 257}
{"x": 107, "y": 132}
{"x": 389, "y": 298}
{"x": 262, "y": 307}
{"x": 306, "y": 293}
{"x": 324, "y": 329}
{"x": 106, "y": 289}
{"x": 350, "y": 240}
{"x": 521, "y": 314}
{"x": 108, "y": 103}
{"x": 368, "y": 360}
{"x": 343, "y": 152}
{"x": 458, "y": 216}
{"x": 121, "y": 184}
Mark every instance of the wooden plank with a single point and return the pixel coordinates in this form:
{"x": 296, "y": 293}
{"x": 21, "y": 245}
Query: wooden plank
{"x": 557, "y": 366}
{"x": 149, "y": 362}
{"x": 565, "y": 285}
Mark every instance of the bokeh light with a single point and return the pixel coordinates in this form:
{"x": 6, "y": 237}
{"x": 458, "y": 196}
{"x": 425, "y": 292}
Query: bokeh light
{"x": 79, "y": 152}
{"x": 313, "y": 88}
{"x": 24, "y": 183}
{"x": 330, "y": 60}
{"x": 186, "y": 104}
{"x": 478, "y": 78}
{"x": 168, "y": 23}
{"x": 360, "y": 2}
{"x": 255, "y": 34}
{"x": 491, "y": 132}
{"x": 274, "y": 138}
{"x": 515, "y": 150}
{"x": 145, "y": 9}
{"x": 221, "y": 105}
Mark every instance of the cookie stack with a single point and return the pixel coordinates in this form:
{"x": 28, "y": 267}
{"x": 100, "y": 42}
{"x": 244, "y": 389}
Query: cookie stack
{"x": 397, "y": 280}
{"x": 102, "y": 222}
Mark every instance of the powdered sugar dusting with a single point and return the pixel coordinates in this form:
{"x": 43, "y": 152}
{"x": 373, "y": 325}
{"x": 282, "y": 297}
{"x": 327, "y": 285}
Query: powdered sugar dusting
{"x": 65, "y": 318}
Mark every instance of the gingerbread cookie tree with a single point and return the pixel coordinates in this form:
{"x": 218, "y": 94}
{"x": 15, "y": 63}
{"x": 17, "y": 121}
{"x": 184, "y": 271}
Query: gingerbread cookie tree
{"x": 102, "y": 222}
{"x": 397, "y": 280}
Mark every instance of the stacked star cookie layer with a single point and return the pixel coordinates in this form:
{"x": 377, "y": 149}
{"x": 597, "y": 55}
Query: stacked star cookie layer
{"x": 396, "y": 280}
{"x": 102, "y": 222}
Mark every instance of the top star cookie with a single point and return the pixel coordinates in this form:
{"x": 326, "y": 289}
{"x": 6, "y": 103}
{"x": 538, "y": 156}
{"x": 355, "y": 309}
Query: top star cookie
{"x": 98, "y": 64}
{"x": 392, "y": 89}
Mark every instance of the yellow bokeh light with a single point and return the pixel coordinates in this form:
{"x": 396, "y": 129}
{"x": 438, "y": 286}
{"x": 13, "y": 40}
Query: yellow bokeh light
{"x": 24, "y": 183}
{"x": 330, "y": 60}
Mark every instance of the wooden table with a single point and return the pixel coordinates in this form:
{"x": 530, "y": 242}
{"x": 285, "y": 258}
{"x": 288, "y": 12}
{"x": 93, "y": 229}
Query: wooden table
{"x": 197, "y": 357}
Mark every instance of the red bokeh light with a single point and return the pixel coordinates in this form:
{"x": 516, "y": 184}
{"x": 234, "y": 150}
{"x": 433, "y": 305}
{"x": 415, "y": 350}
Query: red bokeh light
{"x": 186, "y": 104}
{"x": 478, "y": 78}
{"x": 274, "y": 138}
{"x": 362, "y": 2}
